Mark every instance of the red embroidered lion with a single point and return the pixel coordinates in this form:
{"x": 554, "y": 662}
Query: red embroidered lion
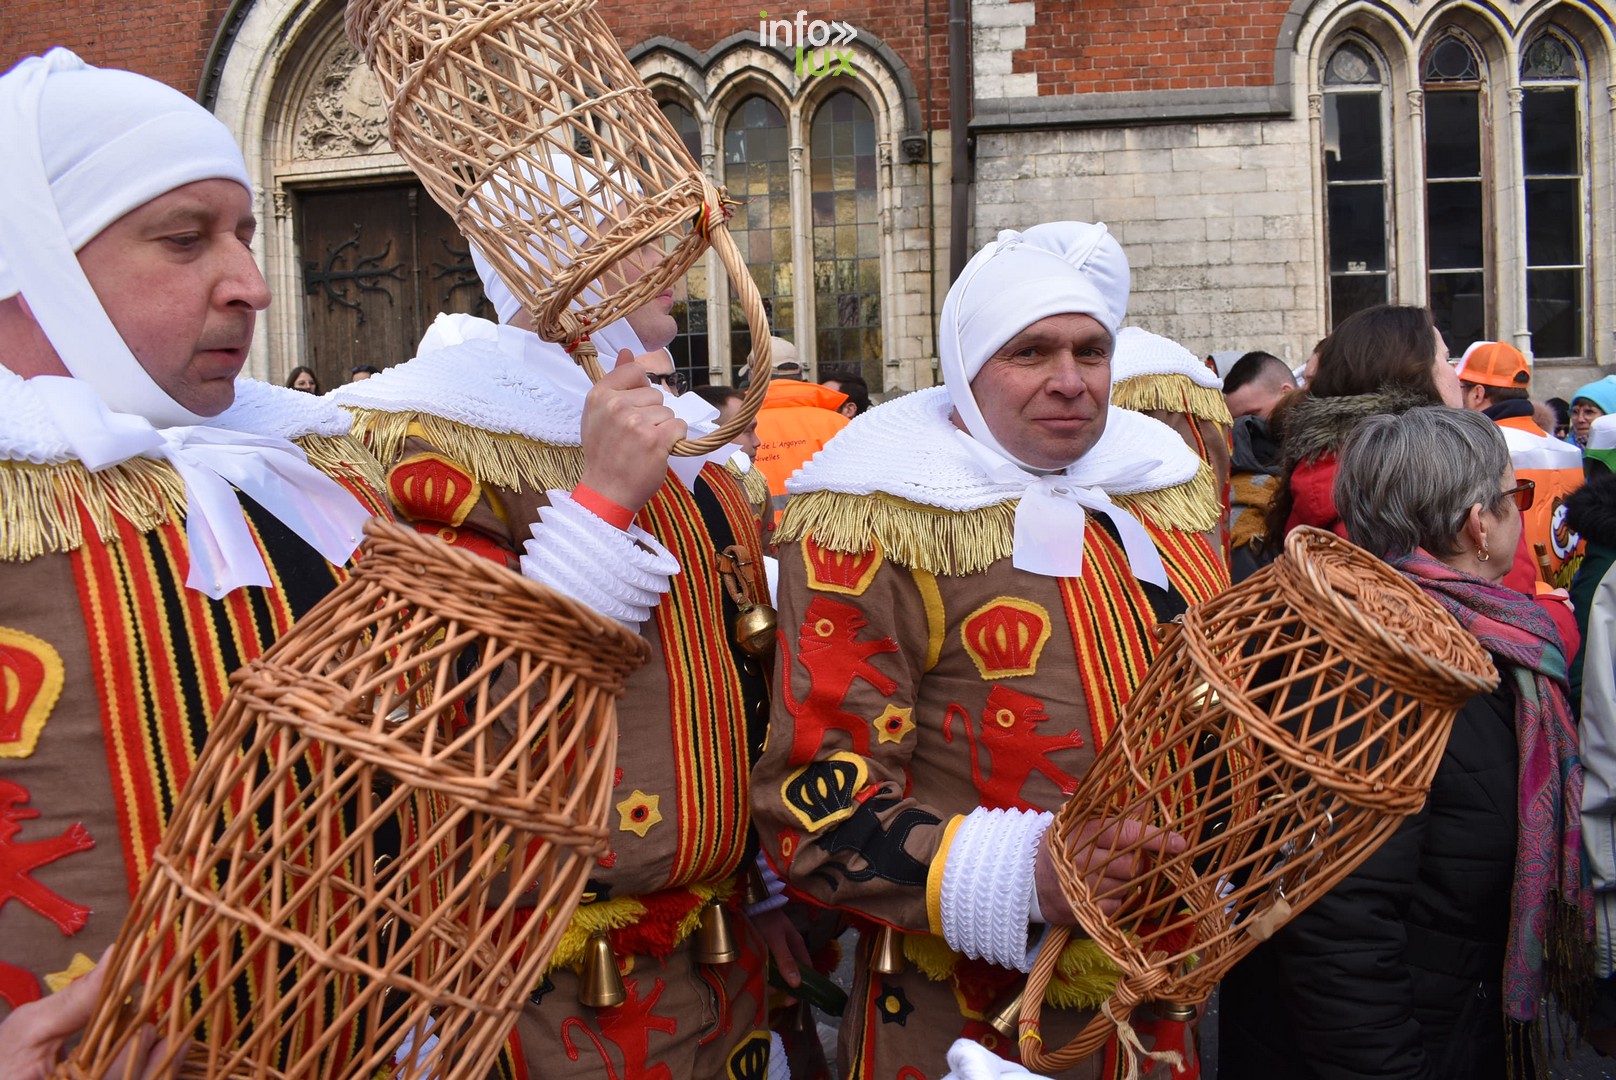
{"x": 1010, "y": 721}
{"x": 629, "y": 1027}
{"x": 19, "y": 859}
{"x": 834, "y": 657}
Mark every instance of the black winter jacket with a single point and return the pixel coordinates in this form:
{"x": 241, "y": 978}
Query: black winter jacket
{"x": 1396, "y": 973}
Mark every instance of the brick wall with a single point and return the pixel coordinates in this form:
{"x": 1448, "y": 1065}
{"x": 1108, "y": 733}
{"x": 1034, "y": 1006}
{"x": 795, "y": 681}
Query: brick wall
{"x": 167, "y": 41}
{"x": 1104, "y": 45}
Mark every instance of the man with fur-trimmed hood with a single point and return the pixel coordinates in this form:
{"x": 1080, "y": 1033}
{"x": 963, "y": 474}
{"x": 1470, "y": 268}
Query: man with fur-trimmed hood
{"x": 969, "y": 580}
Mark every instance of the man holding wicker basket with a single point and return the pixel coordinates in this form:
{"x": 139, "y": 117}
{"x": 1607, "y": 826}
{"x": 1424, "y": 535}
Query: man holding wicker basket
{"x": 970, "y": 578}
{"x": 164, "y": 521}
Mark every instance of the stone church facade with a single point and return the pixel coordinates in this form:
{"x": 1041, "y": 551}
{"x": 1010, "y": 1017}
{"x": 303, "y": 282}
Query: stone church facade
{"x": 1269, "y": 165}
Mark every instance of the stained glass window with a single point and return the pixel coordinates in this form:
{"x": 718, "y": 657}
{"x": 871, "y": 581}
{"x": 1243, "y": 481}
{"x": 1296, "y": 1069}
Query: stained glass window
{"x": 1355, "y": 176}
{"x": 689, "y": 347}
{"x": 1456, "y": 210}
{"x": 1552, "y": 151}
{"x": 846, "y": 237}
{"x": 757, "y": 172}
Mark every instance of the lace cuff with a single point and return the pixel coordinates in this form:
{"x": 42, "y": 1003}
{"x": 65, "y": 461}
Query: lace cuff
{"x": 623, "y": 574}
{"x": 776, "y": 887}
{"x": 988, "y": 885}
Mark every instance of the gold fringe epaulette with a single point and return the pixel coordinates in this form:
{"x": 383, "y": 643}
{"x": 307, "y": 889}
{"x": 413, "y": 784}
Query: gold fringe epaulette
{"x": 39, "y": 504}
{"x": 1172, "y": 393}
{"x": 510, "y": 461}
{"x": 1084, "y": 978}
{"x": 753, "y": 486}
{"x": 959, "y": 542}
{"x": 344, "y": 457}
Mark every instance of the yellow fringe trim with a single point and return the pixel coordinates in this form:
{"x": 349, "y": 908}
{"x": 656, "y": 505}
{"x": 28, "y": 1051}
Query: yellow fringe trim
{"x": 1196, "y": 505}
{"x": 1172, "y": 393}
{"x": 510, "y": 461}
{"x": 1084, "y": 975}
{"x": 39, "y": 503}
{"x": 955, "y": 543}
{"x": 625, "y": 911}
{"x": 343, "y": 456}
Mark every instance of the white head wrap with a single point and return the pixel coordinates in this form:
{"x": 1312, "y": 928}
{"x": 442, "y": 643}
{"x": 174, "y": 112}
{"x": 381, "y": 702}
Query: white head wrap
{"x": 609, "y": 340}
{"x": 1058, "y": 268}
{"x": 82, "y": 147}
{"x": 1139, "y": 352}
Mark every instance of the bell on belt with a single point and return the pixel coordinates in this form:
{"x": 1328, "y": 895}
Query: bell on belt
{"x": 602, "y": 982}
{"x": 714, "y": 942}
{"x": 754, "y": 628}
{"x": 887, "y": 957}
{"x": 1007, "y": 1014}
{"x": 757, "y": 890}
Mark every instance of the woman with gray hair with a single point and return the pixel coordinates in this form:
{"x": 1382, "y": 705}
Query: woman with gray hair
{"x": 1433, "y": 958}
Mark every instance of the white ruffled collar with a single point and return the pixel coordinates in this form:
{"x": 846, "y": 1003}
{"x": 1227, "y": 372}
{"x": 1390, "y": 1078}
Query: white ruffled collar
{"x": 28, "y": 432}
{"x": 909, "y": 448}
{"x": 478, "y": 373}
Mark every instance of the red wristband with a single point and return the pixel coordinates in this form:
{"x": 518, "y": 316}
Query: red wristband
{"x": 620, "y": 517}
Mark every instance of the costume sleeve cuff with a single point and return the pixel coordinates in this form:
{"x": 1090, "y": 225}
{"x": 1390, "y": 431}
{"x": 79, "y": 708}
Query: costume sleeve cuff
{"x": 987, "y": 885}
{"x": 776, "y": 887}
{"x": 779, "y": 1064}
{"x": 623, "y": 574}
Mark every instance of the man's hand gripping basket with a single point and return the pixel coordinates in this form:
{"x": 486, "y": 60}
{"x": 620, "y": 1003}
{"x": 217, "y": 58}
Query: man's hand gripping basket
{"x": 388, "y": 830}
{"x": 1282, "y": 734}
{"x": 525, "y": 121}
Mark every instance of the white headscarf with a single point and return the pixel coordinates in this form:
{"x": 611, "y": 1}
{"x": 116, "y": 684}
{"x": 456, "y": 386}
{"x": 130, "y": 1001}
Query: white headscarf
{"x": 83, "y": 146}
{"x": 1058, "y": 268}
{"x": 80, "y": 147}
{"x": 610, "y": 339}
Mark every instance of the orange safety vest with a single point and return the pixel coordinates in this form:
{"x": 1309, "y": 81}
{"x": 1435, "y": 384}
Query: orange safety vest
{"x": 1556, "y": 468}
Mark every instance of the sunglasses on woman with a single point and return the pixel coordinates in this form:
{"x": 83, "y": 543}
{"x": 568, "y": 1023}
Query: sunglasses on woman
{"x": 1524, "y": 493}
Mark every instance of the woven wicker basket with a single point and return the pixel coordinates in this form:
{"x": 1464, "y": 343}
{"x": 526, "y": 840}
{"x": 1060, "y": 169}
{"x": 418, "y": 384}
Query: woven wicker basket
{"x": 525, "y": 121}
{"x": 420, "y": 767}
{"x": 1282, "y": 734}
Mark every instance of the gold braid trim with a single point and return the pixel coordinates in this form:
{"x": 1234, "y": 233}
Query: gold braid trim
{"x": 344, "y": 456}
{"x": 39, "y": 504}
{"x": 510, "y": 461}
{"x": 1172, "y": 393}
{"x": 1084, "y": 978}
{"x": 959, "y": 542}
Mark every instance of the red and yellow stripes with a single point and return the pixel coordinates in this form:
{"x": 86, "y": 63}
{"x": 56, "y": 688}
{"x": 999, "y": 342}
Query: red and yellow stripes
{"x": 705, "y": 702}
{"x": 1112, "y": 619}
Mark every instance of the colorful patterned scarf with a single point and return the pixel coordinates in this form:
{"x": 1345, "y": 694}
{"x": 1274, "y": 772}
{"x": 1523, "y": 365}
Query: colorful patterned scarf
{"x": 1552, "y": 920}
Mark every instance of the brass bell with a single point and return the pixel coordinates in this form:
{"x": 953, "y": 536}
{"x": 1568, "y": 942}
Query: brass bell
{"x": 887, "y": 957}
{"x": 1006, "y": 1015}
{"x": 757, "y": 891}
{"x": 714, "y": 942}
{"x": 754, "y": 629}
{"x": 602, "y": 982}
{"x": 1184, "y": 1014}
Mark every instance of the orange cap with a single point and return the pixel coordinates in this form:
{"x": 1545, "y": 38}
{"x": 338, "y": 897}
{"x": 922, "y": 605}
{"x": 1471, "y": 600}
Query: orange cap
{"x": 1493, "y": 363}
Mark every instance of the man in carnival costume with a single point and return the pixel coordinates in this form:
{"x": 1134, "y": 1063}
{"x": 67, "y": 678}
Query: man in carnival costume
{"x": 969, "y": 579}
{"x": 495, "y": 441}
{"x": 161, "y": 521}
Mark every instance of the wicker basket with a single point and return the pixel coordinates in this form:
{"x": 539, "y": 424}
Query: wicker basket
{"x": 525, "y": 121}
{"x": 1283, "y": 733}
{"x": 415, "y": 770}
